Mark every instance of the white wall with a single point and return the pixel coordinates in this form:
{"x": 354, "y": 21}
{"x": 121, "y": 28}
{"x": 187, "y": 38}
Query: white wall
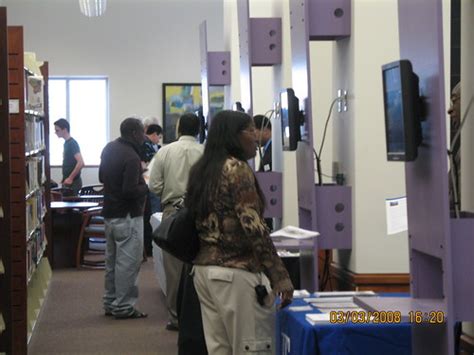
{"x": 355, "y": 139}
{"x": 137, "y": 44}
{"x": 360, "y": 137}
{"x": 131, "y": 44}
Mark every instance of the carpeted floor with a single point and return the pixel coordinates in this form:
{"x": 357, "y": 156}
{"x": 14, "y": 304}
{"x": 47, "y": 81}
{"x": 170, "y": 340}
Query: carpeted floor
{"x": 72, "y": 320}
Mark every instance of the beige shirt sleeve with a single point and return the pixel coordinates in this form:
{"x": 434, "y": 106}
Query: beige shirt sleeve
{"x": 156, "y": 181}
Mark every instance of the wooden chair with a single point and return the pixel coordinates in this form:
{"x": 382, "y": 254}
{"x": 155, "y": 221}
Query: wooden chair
{"x": 92, "y": 193}
{"x": 90, "y": 252}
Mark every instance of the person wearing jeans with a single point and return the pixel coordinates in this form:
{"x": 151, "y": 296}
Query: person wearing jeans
{"x": 125, "y": 191}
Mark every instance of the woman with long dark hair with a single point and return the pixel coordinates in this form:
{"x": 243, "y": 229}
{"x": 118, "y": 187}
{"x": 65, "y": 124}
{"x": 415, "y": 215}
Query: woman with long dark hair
{"x": 237, "y": 271}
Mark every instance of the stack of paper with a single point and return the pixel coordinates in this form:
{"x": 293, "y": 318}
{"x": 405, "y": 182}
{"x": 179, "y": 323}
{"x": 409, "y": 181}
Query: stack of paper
{"x": 300, "y": 293}
{"x": 314, "y": 318}
{"x": 332, "y": 303}
{"x": 294, "y": 233}
{"x": 300, "y": 308}
{"x": 345, "y": 293}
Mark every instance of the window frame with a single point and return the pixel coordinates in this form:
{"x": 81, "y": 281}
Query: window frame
{"x": 68, "y": 79}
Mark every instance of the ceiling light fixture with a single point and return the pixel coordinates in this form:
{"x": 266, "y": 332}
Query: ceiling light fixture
{"x": 93, "y": 8}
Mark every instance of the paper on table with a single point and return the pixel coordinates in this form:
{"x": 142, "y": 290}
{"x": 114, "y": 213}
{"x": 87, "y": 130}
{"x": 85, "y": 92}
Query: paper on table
{"x": 328, "y": 299}
{"x": 294, "y": 233}
{"x": 300, "y": 308}
{"x": 300, "y": 293}
{"x": 329, "y": 310}
{"x": 314, "y": 318}
{"x": 344, "y": 293}
{"x": 335, "y": 305}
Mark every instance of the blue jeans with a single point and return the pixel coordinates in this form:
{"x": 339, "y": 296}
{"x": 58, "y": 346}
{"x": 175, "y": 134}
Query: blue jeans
{"x": 123, "y": 257}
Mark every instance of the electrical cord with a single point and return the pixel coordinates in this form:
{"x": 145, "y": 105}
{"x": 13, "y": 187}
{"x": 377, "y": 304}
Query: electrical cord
{"x": 457, "y": 202}
{"x": 318, "y": 155}
{"x": 326, "y": 124}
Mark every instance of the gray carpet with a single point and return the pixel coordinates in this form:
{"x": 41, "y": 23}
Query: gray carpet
{"x": 72, "y": 320}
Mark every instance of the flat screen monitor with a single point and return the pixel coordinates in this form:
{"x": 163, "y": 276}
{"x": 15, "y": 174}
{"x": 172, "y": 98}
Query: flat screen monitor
{"x": 402, "y": 121}
{"x": 238, "y": 107}
{"x": 202, "y": 125}
{"x": 290, "y": 119}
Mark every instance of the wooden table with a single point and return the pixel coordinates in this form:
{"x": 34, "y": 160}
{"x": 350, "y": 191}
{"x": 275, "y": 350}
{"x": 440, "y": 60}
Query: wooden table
{"x": 80, "y": 205}
{"x": 66, "y": 221}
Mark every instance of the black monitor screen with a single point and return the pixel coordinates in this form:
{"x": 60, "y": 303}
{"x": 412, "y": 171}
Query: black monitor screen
{"x": 402, "y": 111}
{"x": 394, "y": 111}
{"x": 284, "y": 119}
{"x": 290, "y": 119}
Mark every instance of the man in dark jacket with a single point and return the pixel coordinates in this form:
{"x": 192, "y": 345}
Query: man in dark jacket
{"x": 263, "y": 128}
{"x": 125, "y": 191}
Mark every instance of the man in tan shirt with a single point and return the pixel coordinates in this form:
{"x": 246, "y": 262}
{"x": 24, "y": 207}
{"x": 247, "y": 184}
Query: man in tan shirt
{"x": 168, "y": 179}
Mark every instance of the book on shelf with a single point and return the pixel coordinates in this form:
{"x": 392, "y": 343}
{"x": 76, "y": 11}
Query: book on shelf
{"x": 35, "y": 95}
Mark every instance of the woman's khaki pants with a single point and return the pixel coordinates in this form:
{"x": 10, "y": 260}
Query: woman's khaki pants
{"x": 234, "y": 322}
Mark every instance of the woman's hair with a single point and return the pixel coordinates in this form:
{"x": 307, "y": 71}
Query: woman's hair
{"x": 222, "y": 142}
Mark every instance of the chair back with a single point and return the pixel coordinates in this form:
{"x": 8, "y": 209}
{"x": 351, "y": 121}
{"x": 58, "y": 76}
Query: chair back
{"x": 91, "y": 190}
{"x": 92, "y": 193}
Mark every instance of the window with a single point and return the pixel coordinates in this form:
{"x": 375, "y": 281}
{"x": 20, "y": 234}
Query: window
{"x": 84, "y": 103}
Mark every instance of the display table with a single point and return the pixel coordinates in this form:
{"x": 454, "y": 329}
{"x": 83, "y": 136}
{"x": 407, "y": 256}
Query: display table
{"x": 296, "y": 336}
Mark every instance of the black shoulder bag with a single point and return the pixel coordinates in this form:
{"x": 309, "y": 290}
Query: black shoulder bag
{"x": 178, "y": 236}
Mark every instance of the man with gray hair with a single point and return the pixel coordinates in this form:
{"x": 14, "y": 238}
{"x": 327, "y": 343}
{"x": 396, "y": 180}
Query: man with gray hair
{"x": 125, "y": 191}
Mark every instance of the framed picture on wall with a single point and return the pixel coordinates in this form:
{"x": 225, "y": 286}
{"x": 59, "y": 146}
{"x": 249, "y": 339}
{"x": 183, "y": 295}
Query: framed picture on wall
{"x": 179, "y": 98}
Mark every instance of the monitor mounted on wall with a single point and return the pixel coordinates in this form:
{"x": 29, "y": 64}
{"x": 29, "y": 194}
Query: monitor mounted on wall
{"x": 237, "y": 106}
{"x": 402, "y": 111}
{"x": 291, "y": 119}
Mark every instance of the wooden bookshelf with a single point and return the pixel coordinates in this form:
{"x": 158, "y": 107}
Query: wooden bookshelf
{"x": 25, "y": 197}
{"x": 6, "y": 335}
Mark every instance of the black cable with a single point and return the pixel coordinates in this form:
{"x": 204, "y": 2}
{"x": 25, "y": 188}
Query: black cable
{"x": 326, "y": 125}
{"x": 318, "y": 167}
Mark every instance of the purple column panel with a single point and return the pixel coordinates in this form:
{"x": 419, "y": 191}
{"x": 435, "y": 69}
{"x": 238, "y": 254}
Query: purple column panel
{"x": 218, "y": 68}
{"x": 334, "y": 216}
{"x": 272, "y": 187}
{"x": 265, "y": 41}
{"x": 329, "y": 19}
{"x": 243, "y": 18}
{"x": 462, "y": 234}
{"x": 421, "y": 41}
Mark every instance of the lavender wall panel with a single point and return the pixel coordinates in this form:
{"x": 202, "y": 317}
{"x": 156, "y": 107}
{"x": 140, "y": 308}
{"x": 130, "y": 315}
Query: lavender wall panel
{"x": 265, "y": 41}
{"x": 421, "y": 41}
{"x": 334, "y": 215}
{"x": 462, "y": 234}
{"x": 272, "y": 188}
{"x": 329, "y": 19}
{"x": 218, "y": 68}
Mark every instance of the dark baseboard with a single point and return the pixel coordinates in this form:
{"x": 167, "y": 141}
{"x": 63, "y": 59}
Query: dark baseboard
{"x": 343, "y": 279}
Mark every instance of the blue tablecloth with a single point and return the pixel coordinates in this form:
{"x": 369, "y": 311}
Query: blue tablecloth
{"x": 296, "y": 336}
